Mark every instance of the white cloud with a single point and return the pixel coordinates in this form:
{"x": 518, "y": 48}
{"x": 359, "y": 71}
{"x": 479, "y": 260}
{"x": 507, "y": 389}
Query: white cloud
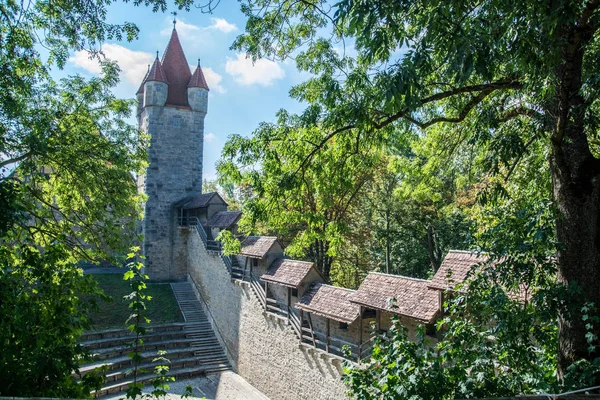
{"x": 262, "y": 72}
{"x": 133, "y": 64}
{"x": 222, "y": 25}
{"x": 183, "y": 29}
{"x": 209, "y": 137}
{"x": 213, "y": 79}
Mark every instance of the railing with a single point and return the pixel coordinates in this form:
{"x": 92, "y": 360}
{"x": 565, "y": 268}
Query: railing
{"x": 259, "y": 290}
{"x": 334, "y": 346}
{"x": 276, "y": 308}
{"x": 214, "y": 246}
{"x": 295, "y": 322}
{"x": 227, "y": 262}
{"x": 195, "y": 223}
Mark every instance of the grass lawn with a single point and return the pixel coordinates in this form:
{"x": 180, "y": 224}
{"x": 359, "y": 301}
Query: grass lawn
{"x": 162, "y": 309}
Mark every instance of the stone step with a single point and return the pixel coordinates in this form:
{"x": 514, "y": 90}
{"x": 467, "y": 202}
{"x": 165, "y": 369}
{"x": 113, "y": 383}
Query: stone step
{"x": 126, "y": 361}
{"x": 173, "y": 366}
{"x": 116, "y": 333}
{"x": 178, "y": 374}
{"x": 108, "y": 353}
{"x": 148, "y": 339}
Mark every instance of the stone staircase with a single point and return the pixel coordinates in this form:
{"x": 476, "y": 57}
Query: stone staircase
{"x": 192, "y": 348}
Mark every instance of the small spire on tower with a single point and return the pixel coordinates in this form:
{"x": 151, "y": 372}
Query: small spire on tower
{"x": 174, "y": 14}
{"x": 198, "y": 63}
{"x": 156, "y": 53}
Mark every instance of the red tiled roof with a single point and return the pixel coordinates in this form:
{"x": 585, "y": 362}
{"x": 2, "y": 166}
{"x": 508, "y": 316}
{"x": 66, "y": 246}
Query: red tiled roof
{"x": 455, "y": 268}
{"x": 177, "y": 71}
{"x": 330, "y": 302}
{"x": 156, "y": 73}
{"x": 288, "y": 272}
{"x": 257, "y": 246}
{"x": 413, "y": 297}
{"x": 198, "y": 80}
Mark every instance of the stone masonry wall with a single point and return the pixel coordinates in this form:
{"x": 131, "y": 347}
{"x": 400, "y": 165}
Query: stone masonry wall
{"x": 264, "y": 351}
{"x": 174, "y": 172}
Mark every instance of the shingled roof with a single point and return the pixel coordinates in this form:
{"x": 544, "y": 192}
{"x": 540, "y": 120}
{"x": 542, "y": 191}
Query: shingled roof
{"x": 257, "y": 246}
{"x": 330, "y": 302}
{"x": 198, "y": 80}
{"x": 455, "y": 268}
{"x": 156, "y": 74}
{"x": 286, "y": 272}
{"x": 199, "y": 201}
{"x": 224, "y": 219}
{"x": 177, "y": 71}
{"x": 413, "y": 297}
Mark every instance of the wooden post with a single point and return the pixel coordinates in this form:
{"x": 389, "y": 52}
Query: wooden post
{"x": 441, "y": 301}
{"x": 327, "y": 337}
{"x": 377, "y": 321}
{"x": 312, "y": 331}
{"x": 266, "y": 294}
{"x": 360, "y": 331}
{"x": 289, "y": 302}
{"x": 301, "y": 325}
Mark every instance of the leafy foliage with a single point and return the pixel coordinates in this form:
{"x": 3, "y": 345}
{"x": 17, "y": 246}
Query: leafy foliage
{"x": 67, "y": 192}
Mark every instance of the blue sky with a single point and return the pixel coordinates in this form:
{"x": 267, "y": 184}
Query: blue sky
{"x": 242, "y": 94}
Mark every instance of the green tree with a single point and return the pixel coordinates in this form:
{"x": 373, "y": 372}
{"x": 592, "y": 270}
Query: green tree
{"x": 509, "y": 75}
{"x": 307, "y": 209}
{"x": 67, "y": 189}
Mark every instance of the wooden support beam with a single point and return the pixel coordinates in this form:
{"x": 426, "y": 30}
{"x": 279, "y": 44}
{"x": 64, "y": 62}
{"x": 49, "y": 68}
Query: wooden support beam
{"x": 360, "y": 332}
{"x": 377, "y": 320}
{"x": 266, "y": 293}
{"x": 327, "y": 336}
{"x": 301, "y": 324}
{"x": 312, "y": 331}
{"x": 289, "y": 302}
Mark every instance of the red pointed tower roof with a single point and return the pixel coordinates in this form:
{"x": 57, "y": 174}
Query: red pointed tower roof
{"x": 198, "y": 80}
{"x": 157, "y": 72}
{"x": 177, "y": 71}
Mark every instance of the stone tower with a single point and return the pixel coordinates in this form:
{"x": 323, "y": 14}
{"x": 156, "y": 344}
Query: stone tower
{"x": 172, "y": 104}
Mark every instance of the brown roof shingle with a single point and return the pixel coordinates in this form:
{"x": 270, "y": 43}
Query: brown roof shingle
{"x": 224, "y": 219}
{"x": 156, "y": 73}
{"x": 288, "y": 272}
{"x": 413, "y": 297}
{"x": 455, "y": 268}
{"x": 177, "y": 71}
{"x": 199, "y": 201}
{"x": 257, "y": 246}
{"x": 330, "y": 302}
{"x": 198, "y": 80}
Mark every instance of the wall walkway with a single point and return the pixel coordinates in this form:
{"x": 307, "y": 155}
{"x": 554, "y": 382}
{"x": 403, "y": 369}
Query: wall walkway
{"x": 262, "y": 349}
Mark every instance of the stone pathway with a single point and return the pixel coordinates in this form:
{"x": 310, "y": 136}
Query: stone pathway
{"x": 226, "y": 385}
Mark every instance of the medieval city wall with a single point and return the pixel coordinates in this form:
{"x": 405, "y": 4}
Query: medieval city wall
{"x": 263, "y": 350}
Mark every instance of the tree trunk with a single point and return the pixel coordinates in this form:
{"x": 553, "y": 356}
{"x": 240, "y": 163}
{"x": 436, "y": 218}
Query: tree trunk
{"x": 387, "y": 242}
{"x": 576, "y": 191}
{"x": 433, "y": 249}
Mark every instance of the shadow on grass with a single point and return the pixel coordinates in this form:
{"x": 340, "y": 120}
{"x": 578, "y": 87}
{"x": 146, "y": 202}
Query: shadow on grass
{"x": 162, "y": 309}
